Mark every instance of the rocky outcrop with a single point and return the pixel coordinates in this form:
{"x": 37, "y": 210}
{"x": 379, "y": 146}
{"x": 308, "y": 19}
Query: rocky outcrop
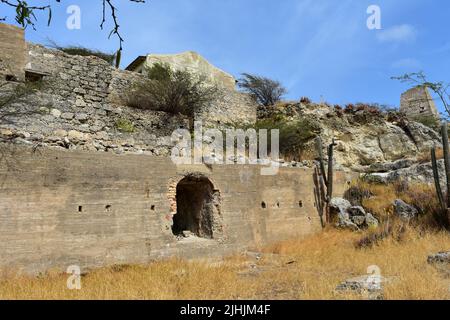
{"x": 415, "y": 173}
{"x": 366, "y": 139}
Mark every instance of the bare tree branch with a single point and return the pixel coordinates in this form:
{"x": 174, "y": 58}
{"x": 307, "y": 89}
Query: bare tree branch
{"x": 25, "y": 15}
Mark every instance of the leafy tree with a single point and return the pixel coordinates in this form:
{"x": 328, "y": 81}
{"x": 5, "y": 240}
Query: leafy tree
{"x": 265, "y": 91}
{"x": 440, "y": 88}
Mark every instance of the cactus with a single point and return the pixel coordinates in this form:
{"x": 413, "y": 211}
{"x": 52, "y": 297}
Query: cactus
{"x": 443, "y": 201}
{"x": 319, "y": 194}
{"x": 323, "y": 191}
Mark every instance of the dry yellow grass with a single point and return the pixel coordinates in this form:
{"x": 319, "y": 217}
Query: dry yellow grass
{"x": 420, "y": 195}
{"x": 297, "y": 269}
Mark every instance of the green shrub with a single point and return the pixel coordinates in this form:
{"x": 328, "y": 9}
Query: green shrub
{"x": 159, "y": 72}
{"x": 176, "y": 92}
{"x": 294, "y": 135}
{"x": 428, "y": 120}
{"x": 125, "y": 125}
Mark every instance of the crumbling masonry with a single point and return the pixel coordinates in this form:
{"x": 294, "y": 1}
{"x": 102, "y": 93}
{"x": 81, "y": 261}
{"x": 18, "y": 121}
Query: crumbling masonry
{"x": 76, "y": 190}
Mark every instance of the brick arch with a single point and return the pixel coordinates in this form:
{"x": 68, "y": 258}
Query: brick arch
{"x": 195, "y": 206}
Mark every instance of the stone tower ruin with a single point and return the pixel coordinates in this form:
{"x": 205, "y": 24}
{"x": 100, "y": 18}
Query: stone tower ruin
{"x": 417, "y": 102}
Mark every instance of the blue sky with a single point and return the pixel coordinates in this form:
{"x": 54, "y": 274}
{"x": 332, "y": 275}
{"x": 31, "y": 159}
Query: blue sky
{"x": 317, "y": 48}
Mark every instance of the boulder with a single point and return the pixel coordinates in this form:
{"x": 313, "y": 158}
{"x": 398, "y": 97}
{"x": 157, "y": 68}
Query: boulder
{"x": 60, "y": 133}
{"x": 81, "y": 117}
{"x": 371, "y": 221}
{"x": 405, "y": 211}
{"x": 370, "y": 285}
{"x": 357, "y": 215}
{"x": 74, "y": 135}
{"x": 441, "y": 257}
{"x": 67, "y": 115}
{"x": 56, "y": 113}
{"x": 340, "y": 204}
{"x": 339, "y": 207}
{"x": 351, "y": 217}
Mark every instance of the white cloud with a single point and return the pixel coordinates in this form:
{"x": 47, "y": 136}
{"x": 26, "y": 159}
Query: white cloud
{"x": 400, "y": 33}
{"x": 407, "y": 63}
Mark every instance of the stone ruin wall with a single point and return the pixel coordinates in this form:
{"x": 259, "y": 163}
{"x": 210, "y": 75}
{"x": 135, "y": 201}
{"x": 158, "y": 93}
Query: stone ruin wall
{"x": 79, "y": 108}
{"x": 418, "y": 102}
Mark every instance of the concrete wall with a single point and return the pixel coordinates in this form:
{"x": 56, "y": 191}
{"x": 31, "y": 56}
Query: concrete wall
{"x": 12, "y": 52}
{"x": 60, "y": 208}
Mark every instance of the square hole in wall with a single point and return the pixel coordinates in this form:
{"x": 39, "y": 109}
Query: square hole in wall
{"x": 80, "y": 208}
{"x": 10, "y": 77}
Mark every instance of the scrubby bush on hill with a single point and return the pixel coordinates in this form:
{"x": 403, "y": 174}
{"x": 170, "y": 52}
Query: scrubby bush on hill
{"x": 172, "y": 91}
{"x": 81, "y": 51}
{"x": 429, "y": 121}
{"x": 305, "y": 100}
{"x": 294, "y": 135}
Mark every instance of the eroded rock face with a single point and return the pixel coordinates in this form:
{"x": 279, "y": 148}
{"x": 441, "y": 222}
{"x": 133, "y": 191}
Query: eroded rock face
{"x": 364, "y": 146}
{"x": 422, "y": 172}
{"x": 365, "y": 141}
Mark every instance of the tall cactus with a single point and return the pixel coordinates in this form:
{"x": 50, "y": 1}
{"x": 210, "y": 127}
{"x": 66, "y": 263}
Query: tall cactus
{"x": 443, "y": 201}
{"x": 323, "y": 190}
